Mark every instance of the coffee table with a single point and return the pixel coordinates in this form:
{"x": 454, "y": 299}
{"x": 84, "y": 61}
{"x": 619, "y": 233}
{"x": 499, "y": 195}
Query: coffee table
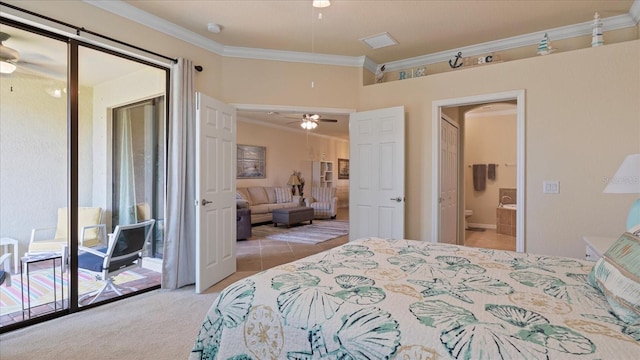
{"x": 293, "y": 215}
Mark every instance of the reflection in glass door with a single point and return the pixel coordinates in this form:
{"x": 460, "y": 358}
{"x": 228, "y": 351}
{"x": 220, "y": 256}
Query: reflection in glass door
{"x": 138, "y": 167}
{"x": 33, "y": 177}
{"x": 121, "y": 170}
{"x": 57, "y": 168}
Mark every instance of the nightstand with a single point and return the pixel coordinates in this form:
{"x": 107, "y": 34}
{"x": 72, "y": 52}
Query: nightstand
{"x": 597, "y": 246}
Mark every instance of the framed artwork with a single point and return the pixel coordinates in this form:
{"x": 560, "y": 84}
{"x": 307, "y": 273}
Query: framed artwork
{"x": 251, "y": 162}
{"x": 343, "y": 168}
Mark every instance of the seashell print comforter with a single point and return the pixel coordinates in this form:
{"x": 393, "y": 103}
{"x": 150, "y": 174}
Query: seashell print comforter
{"x": 405, "y": 299}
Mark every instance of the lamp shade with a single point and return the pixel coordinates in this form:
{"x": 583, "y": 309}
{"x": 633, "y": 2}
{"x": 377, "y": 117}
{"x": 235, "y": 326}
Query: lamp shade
{"x": 627, "y": 179}
{"x": 294, "y": 180}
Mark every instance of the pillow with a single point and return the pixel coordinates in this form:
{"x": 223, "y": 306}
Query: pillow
{"x": 243, "y": 194}
{"x": 258, "y": 195}
{"x": 617, "y": 276}
{"x": 283, "y": 195}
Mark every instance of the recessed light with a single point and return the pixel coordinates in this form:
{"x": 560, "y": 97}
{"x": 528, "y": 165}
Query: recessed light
{"x": 379, "y": 41}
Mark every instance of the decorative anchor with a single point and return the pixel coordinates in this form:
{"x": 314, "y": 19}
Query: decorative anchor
{"x": 455, "y": 64}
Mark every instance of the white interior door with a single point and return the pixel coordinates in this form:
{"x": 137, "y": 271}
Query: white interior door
{"x": 376, "y": 184}
{"x": 215, "y": 191}
{"x": 448, "y": 199}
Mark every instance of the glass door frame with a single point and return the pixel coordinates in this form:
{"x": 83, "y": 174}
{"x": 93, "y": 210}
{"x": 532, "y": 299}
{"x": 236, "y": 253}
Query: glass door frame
{"x": 73, "y": 46}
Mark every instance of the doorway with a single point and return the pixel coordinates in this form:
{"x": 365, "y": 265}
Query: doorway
{"x": 445, "y": 106}
{"x": 489, "y": 175}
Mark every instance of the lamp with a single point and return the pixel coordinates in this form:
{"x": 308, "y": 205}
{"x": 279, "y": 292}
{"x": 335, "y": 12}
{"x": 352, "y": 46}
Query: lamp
{"x": 308, "y": 124}
{"x": 6, "y": 67}
{"x": 294, "y": 181}
{"x": 321, "y": 3}
{"x": 627, "y": 181}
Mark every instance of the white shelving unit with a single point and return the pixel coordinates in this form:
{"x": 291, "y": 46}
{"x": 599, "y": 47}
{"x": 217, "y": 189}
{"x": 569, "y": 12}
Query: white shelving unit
{"x": 322, "y": 175}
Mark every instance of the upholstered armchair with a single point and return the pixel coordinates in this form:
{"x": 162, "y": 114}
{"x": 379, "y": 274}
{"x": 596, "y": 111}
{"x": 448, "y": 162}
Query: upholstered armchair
{"x": 323, "y": 201}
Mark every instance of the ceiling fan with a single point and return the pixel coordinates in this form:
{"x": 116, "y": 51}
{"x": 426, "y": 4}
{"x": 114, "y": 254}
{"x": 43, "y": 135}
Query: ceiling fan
{"x": 310, "y": 121}
{"x": 8, "y": 56}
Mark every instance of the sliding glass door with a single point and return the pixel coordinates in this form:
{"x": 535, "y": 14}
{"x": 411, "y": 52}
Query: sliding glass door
{"x": 83, "y": 142}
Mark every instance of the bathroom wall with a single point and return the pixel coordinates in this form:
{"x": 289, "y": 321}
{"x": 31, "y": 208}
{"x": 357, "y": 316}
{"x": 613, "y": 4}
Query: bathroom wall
{"x": 490, "y": 138}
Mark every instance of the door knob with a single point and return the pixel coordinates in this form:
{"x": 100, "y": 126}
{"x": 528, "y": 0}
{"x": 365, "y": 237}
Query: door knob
{"x": 205, "y": 202}
{"x": 398, "y": 199}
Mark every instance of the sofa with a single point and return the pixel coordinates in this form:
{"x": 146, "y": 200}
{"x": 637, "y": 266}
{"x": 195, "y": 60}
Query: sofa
{"x": 324, "y": 202}
{"x": 262, "y": 200}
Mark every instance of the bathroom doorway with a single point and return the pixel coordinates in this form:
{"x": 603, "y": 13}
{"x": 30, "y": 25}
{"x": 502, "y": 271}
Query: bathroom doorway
{"x": 456, "y": 110}
{"x": 489, "y": 174}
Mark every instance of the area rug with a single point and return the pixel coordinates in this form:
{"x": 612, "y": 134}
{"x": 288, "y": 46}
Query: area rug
{"x": 319, "y": 231}
{"x": 41, "y": 286}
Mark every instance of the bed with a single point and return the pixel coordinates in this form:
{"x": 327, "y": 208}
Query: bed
{"x": 405, "y": 299}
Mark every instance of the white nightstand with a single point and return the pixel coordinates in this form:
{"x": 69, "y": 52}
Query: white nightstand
{"x": 597, "y": 246}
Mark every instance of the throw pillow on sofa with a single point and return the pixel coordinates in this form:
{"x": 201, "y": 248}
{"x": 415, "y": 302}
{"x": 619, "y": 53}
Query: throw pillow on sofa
{"x": 283, "y": 195}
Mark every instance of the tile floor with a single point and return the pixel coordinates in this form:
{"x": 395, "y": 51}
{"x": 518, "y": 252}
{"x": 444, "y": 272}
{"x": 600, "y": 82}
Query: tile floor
{"x": 489, "y": 239}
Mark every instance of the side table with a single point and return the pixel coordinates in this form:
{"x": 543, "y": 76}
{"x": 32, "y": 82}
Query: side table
{"x": 27, "y": 261}
{"x": 597, "y": 246}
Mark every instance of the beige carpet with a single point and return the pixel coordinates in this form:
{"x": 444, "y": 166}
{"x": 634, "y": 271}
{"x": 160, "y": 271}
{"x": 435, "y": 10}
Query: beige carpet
{"x": 161, "y": 324}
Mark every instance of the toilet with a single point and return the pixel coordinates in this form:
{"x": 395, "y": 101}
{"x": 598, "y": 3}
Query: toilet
{"x": 467, "y": 213}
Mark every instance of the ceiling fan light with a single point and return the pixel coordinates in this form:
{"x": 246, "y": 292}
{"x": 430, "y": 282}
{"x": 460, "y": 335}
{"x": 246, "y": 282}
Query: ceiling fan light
{"x": 308, "y": 124}
{"x": 321, "y": 3}
{"x": 6, "y": 67}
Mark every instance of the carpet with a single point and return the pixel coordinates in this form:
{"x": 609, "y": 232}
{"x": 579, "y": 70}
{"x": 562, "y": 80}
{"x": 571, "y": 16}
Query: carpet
{"x": 319, "y": 231}
{"x": 41, "y": 282}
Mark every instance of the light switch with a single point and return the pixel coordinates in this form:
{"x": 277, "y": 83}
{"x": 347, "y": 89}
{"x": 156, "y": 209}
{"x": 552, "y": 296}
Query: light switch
{"x": 551, "y": 187}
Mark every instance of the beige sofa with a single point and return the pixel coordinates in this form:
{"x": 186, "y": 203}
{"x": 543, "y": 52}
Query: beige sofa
{"x": 262, "y": 200}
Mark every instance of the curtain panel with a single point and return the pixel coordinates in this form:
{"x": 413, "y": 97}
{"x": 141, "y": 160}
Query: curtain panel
{"x": 178, "y": 265}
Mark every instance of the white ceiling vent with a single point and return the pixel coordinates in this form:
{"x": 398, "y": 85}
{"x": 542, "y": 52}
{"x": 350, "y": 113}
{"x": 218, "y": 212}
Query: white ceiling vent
{"x": 379, "y": 41}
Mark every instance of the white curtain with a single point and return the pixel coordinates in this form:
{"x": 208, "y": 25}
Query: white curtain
{"x": 127, "y": 181}
{"x": 178, "y": 266}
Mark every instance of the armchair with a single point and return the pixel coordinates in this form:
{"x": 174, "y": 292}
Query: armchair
{"x": 123, "y": 253}
{"x": 5, "y": 269}
{"x": 91, "y": 231}
{"x": 323, "y": 201}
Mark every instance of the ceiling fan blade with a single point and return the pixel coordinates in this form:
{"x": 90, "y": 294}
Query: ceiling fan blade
{"x": 328, "y": 120}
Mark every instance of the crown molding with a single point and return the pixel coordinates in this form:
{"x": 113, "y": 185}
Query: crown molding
{"x": 132, "y": 13}
{"x": 293, "y": 56}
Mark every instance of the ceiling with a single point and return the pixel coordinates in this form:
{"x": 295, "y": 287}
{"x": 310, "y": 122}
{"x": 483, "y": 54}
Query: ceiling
{"x": 420, "y": 27}
{"x": 293, "y": 27}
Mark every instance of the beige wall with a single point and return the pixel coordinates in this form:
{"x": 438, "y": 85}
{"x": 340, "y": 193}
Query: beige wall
{"x": 289, "y": 150}
{"x": 582, "y": 117}
{"x": 489, "y": 140}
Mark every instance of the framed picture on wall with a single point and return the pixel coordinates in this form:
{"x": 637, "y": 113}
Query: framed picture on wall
{"x": 343, "y": 168}
{"x": 252, "y": 162}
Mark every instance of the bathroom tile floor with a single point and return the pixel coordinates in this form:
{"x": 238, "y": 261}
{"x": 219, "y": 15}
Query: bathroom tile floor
{"x": 489, "y": 239}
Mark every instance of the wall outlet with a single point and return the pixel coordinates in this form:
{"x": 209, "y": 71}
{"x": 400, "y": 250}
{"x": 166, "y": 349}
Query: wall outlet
{"x": 551, "y": 187}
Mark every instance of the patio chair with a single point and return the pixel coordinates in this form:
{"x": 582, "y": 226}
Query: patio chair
{"x": 90, "y": 232}
{"x": 5, "y": 269}
{"x": 123, "y": 253}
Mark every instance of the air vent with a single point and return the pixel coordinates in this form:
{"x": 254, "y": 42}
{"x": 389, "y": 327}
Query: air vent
{"x": 379, "y": 41}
